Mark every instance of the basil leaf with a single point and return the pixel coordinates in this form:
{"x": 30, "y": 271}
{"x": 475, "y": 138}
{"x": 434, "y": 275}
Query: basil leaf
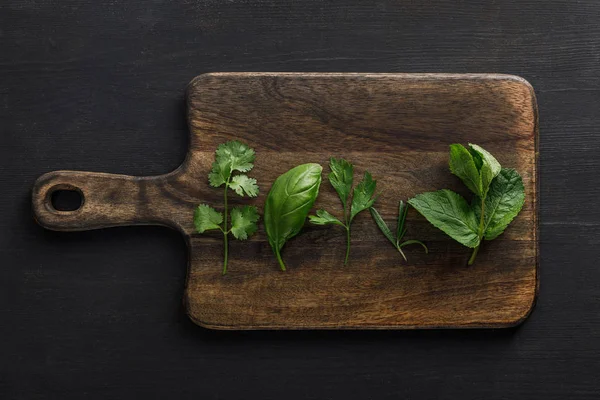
{"x": 449, "y": 212}
{"x": 290, "y": 199}
{"x": 463, "y": 165}
{"x": 502, "y": 204}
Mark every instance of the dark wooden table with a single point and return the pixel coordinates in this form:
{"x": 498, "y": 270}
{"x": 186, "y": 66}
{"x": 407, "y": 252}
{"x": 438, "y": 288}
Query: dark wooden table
{"x": 99, "y": 86}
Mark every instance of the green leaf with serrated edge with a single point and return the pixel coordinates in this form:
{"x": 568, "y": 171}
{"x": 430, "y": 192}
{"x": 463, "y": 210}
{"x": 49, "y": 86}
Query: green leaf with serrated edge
{"x": 324, "y": 218}
{"x": 207, "y": 218}
{"x": 463, "y": 165}
{"x": 341, "y": 177}
{"x": 288, "y": 203}
{"x": 504, "y": 201}
{"x": 449, "y": 212}
{"x": 382, "y": 226}
{"x": 239, "y": 155}
{"x": 220, "y": 173}
{"x": 241, "y": 184}
{"x": 362, "y": 197}
{"x": 243, "y": 221}
{"x": 487, "y": 165}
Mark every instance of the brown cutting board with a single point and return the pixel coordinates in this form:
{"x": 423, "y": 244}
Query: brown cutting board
{"x": 398, "y": 126}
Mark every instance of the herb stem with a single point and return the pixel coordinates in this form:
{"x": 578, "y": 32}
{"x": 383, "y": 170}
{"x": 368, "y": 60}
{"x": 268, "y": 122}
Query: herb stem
{"x": 347, "y": 244}
{"x": 281, "y": 264}
{"x": 225, "y": 231}
{"x": 480, "y": 233}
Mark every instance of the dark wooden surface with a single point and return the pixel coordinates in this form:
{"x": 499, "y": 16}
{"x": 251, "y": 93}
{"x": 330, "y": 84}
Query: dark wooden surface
{"x": 402, "y": 120}
{"x": 98, "y": 87}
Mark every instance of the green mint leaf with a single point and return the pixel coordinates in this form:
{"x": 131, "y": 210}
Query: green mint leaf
{"x": 324, "y": 218}
{"x": 504, "y": 201}
{"x": 207, "y": 218}
{"x": 382, "y": 226}
{"x": 449, "y": 212}
{"x": 362, "y": 197}
{"x": 243, "y": 221}
{"x": 241, "y": 184}
{"x": 341, "y": 177}
{"x": 237, "y": 155}
{"x": 486, "y": 164}
{"x": 463, "y": 165}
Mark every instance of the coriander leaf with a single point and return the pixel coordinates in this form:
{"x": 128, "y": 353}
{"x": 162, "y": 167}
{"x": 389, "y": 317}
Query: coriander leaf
{"x": 362, "y": 197}
{"x": 207, "y": 218}
{"x": 463, "y": 165}
{"x": 220, "y": 173}
{"x": 487, "y": 165}
{"x": 237, "y": 155}
{"x": 324, "y": 218}
{"x": 449, "y": 212}
{"x": 242, "y": 184}
{"x": 504, "y": 201}
{"x": 243, "y": 221}
{"x": 341, "y": 177}
{"x": 382, "y": 226}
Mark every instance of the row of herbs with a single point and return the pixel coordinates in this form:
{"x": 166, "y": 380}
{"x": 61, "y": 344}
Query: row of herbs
{"x": 499, "y": 195}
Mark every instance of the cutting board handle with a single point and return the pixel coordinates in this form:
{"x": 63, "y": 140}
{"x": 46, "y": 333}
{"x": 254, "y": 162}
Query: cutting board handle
{"x": 107, "y": 200}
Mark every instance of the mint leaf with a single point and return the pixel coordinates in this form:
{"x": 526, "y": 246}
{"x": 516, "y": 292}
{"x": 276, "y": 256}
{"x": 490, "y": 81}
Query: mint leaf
{"x": 241, "y": 184}
{"x": 324, "y": 218}
{"x": 504, "y": 201}
{"x": 463, "y": 165}
{"x": 243, "y": 221}
{"x": 362, "y": 197}
{"x": 449, "y": 212}
{"x": 207, "y": 218}
{"x": 341, "y": 177}
{"x": 486, "y": 164}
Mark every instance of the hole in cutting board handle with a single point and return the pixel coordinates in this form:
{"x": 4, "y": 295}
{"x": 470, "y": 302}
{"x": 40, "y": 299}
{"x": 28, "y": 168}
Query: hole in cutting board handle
{"x": 65, "y": 198}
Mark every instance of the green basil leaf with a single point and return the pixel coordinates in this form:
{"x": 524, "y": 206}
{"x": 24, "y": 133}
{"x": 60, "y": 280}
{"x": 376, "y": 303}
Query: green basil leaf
{"x": 288, "y": 203}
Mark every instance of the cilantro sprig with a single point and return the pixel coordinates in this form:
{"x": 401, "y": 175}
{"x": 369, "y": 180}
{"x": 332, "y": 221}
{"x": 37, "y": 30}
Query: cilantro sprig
{"x": 499, "y": 197}
{"x": 341, "y": 178}
{"x": 230, "y": 157}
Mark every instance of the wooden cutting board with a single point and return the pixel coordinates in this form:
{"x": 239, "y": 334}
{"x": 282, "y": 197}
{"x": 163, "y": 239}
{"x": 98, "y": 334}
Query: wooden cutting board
{"x": 398, "y": 126}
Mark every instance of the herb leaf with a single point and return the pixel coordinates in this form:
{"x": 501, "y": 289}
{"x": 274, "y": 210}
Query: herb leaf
{"x": 400, "y": 229}
{"x": 230, "y": 157}
{"x": 362, "y": 197}
{"x": 241, "y": 184}
{"x": 503, "y": 202}
{"x": 382, "y": 225}
{"x": 463, "y": 165}
{"x": 290, "y": 199}
{"x": 487, "y": 166}
{"x": 243, "y": 221}
{"x": 324, "y": 218}
{"x": 341, "y": 177}
{"x": 449, "y": 212}
{"x": 207, "y": 218}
